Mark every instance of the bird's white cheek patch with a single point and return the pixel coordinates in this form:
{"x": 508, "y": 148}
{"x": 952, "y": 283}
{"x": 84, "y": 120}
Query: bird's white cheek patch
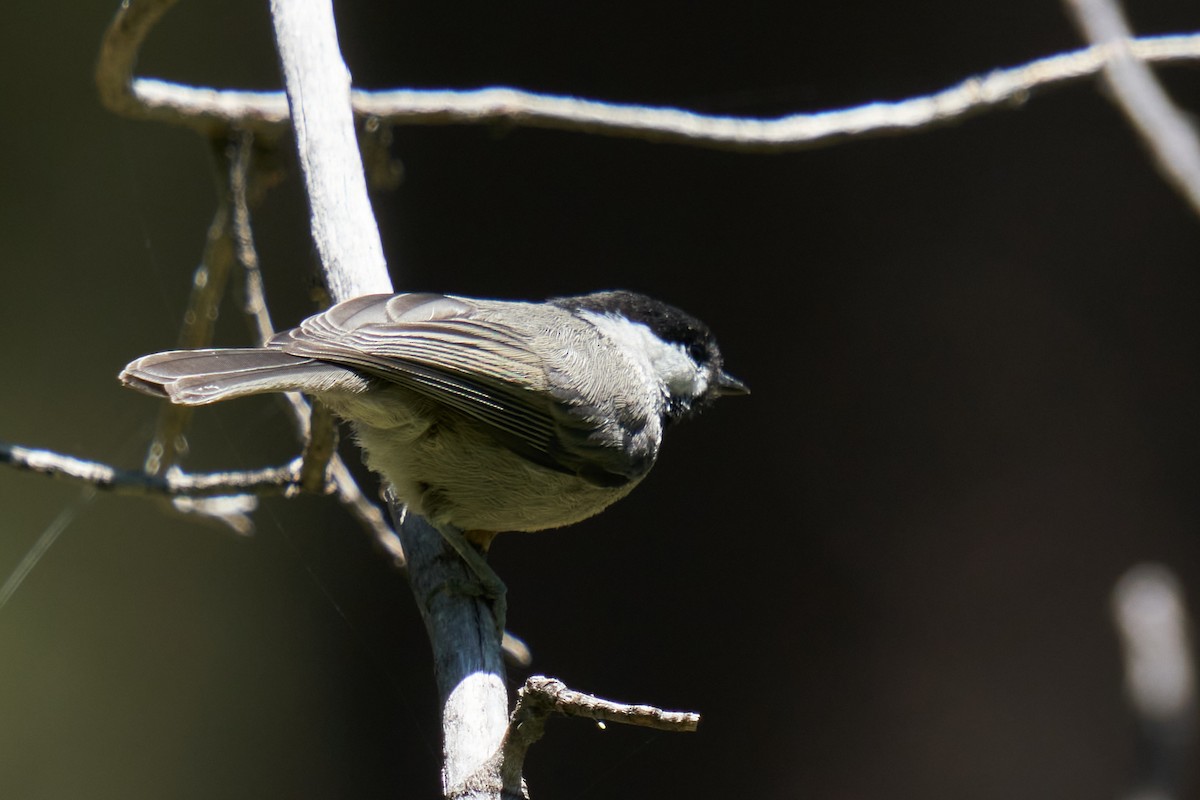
{"x": 663, "y": 362}
{"x": 678, "y": 372}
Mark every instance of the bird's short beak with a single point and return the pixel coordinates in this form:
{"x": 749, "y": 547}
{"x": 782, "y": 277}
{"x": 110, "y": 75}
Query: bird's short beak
{"x": 728, "y": 386}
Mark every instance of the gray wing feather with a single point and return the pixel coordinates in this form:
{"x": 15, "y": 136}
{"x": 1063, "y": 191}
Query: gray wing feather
{"x": 453, "y": 351}
{"x": 459, "y": 354}
{"x": 199, "y": 377}
{"x": 436, "y": 346}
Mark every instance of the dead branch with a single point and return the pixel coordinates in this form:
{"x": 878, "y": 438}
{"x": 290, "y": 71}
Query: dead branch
{"x": 541, "y": 696}
{"x": 318, "y": 90}
{"x": 172, "y": 483}
{"x": 1163, "y": 127}
{"x": 209, "y": 110}
{"x": 208, "y": 284}
{"x": 458, "y": 614}
{"x": 258, "y": 315}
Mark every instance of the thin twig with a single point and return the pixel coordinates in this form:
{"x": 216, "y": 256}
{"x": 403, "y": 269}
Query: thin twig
{"x": 266, "y": 113}
{"x": 173, "y": 483}
{"x": 320, "y": 447}
{"x": 258, "y": 315}
{"x": 541, "y": 696}
{"x": 252, "y": 292}
{"x": 368, "y": 514}
{"x": 208, "y": 286}
{"x": 209, "y": 111}
{"x": 1166, "y": 130}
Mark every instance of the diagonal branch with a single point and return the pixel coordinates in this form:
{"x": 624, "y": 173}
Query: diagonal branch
{"x": 318, "y": 432}
{"x": 460, "y": 621}
{"x": 541, "y": 696}
{"x": 1168, "y": 133}
{"x": 208, "y": 286}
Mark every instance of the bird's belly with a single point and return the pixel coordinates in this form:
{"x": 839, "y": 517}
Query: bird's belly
{"x": 450, "y": 473}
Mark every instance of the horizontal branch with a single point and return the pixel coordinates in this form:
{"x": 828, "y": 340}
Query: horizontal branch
{"x": 999, "y": 88}
{"x": 266, "y": 113}
{"x": 552, "y": 695}
{"x": 173, "y": 483}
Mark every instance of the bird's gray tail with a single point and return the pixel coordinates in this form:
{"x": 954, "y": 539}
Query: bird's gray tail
{"x": 199, "y": 377}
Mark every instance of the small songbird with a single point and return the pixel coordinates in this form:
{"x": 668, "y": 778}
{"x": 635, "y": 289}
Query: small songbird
{"x": 486, "y": 415}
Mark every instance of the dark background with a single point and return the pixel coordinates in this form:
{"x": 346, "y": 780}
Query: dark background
{"x": 884, "y": 575}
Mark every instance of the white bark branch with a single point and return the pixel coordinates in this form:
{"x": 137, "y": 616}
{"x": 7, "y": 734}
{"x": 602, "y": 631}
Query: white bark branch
{"x": 318, "y": 90}
{"x": 1167, "y": 132}
{"x": 171, "y": 483}
{"x": 460, "y": 619}
{"x": 467, "y": 659}
{"x": 541, "y": 696}
{"x": 209, "y": 109}
{"x": 549, "y": 695}
{"x": 254, "y": 307}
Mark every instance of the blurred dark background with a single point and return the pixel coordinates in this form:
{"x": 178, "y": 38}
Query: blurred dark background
{"x": 884, "y": 575}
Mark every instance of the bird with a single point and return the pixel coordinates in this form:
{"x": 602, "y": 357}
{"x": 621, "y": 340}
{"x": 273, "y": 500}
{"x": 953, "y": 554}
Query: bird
{"x": 485, "y": 415}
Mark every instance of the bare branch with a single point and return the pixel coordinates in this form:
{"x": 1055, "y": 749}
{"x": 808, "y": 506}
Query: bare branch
{"x": 119, "y": 51}
{"x": 467, "y": 660}
{"x": 251, "y": 291}
{"x": 207, "y": 109}
{"x": 254, "y": 307}
{"x": 368, "y": 514}
{"x": 318, "y": 89}
{"x": 319, "y": 449}
{"x": 997, "y": 89}
{"x": 208, "y": 286}
{"x": 1168, "y": 133}
{"x": 459, "y": 617}
{"x": 541, "y": 696}
{"x": 173, "y": 483}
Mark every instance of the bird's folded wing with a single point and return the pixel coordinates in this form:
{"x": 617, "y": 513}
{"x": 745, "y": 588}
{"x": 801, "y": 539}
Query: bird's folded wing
{"x": 443, "y": 348}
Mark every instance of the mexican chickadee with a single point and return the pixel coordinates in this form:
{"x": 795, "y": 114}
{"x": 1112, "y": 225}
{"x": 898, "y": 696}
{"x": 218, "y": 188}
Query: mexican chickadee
{"x": 483, "y": 414}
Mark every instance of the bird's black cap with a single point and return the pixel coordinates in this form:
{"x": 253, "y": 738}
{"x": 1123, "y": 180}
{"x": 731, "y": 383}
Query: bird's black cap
{"x": 669, "y": 323}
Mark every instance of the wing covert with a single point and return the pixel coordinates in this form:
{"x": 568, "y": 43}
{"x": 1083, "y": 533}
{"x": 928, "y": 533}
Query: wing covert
{"x": 464, "y": 355}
